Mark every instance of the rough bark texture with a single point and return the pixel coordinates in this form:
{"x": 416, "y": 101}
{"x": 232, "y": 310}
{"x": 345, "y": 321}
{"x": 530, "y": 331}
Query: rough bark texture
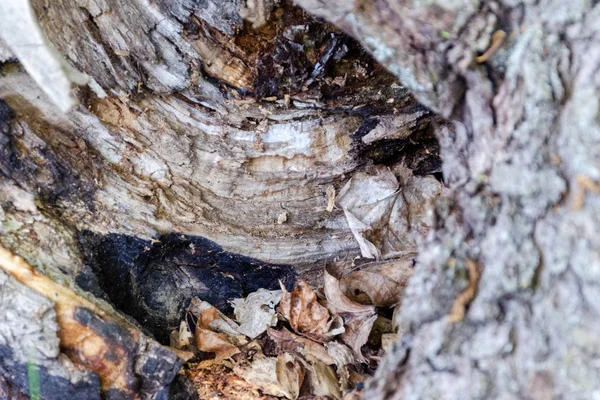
{"x": 523, "y": 164}
{"x": 504, "y": 299}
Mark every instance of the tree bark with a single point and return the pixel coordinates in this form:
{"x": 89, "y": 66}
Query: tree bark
{"x": 242, "y": 135}
{"x": 520, "y": 82}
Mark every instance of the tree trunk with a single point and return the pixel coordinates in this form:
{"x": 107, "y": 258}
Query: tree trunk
{"x": 208, "y": 152}
{"x": 516, "y": 241}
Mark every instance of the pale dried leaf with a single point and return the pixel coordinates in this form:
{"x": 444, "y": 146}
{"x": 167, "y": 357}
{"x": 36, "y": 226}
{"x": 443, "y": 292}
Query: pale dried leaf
{"x": 338, "y": 301}
{"x": 182, "y": 337}
{"x": 340, "y": 353}
{"x": 335, "y": 327}
{"x": 212, "y": 342}
{"x": 322, "y": 379}
{"x": 303, "y": 311}
{"x": 358, "y": 228}
{"x": 262, "y": 373}
{"x": 358, "y": 328}
{"x": 380, "y": 283}
{"x": 387, "y": 215}
{"x": 256, "y": 312}
{"x": 288, "y": 341}
{"x": 211, "y": 318}
{"x": 290, "y": 374}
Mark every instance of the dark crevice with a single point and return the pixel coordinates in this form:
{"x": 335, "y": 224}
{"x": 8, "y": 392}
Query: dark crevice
{"x": 154, "y": 281}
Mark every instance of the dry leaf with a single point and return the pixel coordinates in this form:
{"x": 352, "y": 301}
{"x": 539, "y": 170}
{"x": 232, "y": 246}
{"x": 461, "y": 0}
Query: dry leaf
{"x": 338, "y": 301}
{"x": 212, "y": 319}
{"x": 380, "y": 283}
{"x": 358, "y": 318}
{"x": 322, "y": 379}
{"x": 213, "y": 342}
{"x": 214, "y": 381}
{"x": 287, "y": 341}
{"x": 256, "y": 312}
{"x": 358, "y": 328}
{"x": 262, "y": 373}
{"x": 182, "y": 337}
{"x": 290, "y": 374}
{"x": 303, "y": 311}
{"x": 388, "y": 212}
{"x": 340, "y": 353}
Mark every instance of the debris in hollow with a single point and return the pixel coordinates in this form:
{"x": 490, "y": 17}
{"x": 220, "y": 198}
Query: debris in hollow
{"x": 314, "y": 347}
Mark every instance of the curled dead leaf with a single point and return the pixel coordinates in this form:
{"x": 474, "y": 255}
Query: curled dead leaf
{"x": 262, "y": 373}
{"x": 322, "y": 379}
{"x": 380, "y": 283}
{"x": 338, "y": 300}
{"x": 358, "y": 329}
{"x": 182, "y": 337}
{"x": 303, "y": 311}
{"x": 208, "y": 317}
{"x": 256, "y": 312}
{"x": 358, "y": 318}
{"x": 290, "y": 374}
{"x": 213, "y": 342}
{"x": 288, "y": 341}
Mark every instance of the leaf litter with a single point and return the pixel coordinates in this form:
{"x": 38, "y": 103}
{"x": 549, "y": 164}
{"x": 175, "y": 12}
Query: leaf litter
{"x": 299, "y": 344}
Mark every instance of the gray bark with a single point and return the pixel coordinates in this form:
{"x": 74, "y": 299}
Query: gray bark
{"x": 522, "y": 163}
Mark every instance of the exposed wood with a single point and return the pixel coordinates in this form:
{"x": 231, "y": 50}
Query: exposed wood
{"x": 213, "y": 160}
{"x": 42, "y": 321}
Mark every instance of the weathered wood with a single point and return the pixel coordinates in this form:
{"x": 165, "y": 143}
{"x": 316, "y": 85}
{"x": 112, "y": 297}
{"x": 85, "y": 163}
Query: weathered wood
{"x": 198, "y": 128}
{"x": 41, "y": 322}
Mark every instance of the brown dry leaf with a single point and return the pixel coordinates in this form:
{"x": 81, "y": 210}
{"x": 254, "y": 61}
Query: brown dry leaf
{"x": 212, "y": 342}
{"x": 380, "y": 283}
{"x": 358, "y": 328}
{"x": 262, "y": 373}
{"x": 388, "y": 211}
{"x": 322, "y": 379}
{"x": 290, "y": 374}
{"x": 287, "y": 341}
{"x": 338, "y": 300}
{"x": 303, "y": 311}
{"x": 214, "y": 381}
{"x": 212, "y": 319}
